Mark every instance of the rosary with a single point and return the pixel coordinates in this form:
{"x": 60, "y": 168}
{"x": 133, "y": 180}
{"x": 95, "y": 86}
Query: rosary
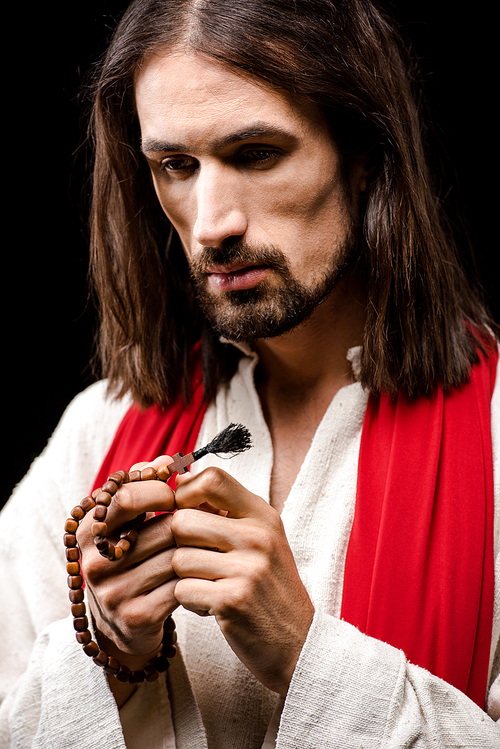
{"x": 234, "y": 439}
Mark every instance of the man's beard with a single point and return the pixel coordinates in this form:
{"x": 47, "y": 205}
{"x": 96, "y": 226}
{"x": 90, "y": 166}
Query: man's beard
{"x": 269, "y": 309}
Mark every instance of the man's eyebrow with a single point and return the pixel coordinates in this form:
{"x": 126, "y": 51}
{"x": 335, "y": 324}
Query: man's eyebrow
{"x": 259, "y": 130}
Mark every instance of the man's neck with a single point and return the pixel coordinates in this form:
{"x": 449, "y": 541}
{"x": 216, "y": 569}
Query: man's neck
{"x": 299, "y": 374}
{"x": 312, "y": 357}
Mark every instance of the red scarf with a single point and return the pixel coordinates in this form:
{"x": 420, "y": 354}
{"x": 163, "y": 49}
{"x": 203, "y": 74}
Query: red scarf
{"x": 419, "y": 567}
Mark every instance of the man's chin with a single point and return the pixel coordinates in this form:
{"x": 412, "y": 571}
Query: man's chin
{"x": 249, "y": 322}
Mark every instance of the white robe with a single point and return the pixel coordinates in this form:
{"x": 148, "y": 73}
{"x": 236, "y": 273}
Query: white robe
{"x": 348, "y": 690}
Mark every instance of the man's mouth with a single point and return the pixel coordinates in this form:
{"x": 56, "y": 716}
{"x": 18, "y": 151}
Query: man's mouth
{"x": 236, "y": 276}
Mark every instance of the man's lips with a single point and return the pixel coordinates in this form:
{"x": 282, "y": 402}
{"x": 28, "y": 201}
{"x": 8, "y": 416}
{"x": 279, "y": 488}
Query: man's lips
{"x": 236, "y": 276}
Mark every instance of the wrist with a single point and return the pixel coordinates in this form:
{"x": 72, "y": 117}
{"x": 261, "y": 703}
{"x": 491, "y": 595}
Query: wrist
{"x": 122, "y": 664}
{"x": 133, "y": 661}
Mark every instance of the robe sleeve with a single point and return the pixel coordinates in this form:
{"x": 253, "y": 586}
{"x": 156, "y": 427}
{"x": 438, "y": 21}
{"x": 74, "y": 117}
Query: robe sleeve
{"x": 61, "y": 700}
{"x": 350, "y": 690}
{"x": 33, "y": 590}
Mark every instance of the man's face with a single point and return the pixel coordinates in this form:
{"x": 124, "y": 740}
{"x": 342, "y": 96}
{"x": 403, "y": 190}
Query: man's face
{"x": 251, "y": 181}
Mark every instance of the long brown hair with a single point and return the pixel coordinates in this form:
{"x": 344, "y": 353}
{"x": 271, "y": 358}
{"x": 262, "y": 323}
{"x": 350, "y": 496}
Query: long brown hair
{"x": 346, "y": 57}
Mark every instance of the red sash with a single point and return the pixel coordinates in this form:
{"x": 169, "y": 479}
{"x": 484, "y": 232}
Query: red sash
{"x": 419, "y": 567}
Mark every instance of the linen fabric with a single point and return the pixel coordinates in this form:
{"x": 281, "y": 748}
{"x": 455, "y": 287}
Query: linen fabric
{"x": 348, "y": 689}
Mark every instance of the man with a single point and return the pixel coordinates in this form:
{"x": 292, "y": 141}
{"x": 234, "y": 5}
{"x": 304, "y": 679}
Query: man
{"x": 259, "y": 185}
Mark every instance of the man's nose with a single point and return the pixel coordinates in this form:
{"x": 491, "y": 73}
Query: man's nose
{"x": 220, "y": 210}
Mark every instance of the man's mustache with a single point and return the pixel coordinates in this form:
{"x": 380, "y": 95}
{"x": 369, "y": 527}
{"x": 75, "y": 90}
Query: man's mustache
{"x": 239, "y": 252}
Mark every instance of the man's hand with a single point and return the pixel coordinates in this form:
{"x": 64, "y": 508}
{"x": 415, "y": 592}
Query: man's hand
{"x": 130, "y": 598}
{"x": 237, "y": 566}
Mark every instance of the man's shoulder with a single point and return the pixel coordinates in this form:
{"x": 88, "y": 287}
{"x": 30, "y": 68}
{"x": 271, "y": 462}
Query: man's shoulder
{"x": 95, "y": 403}
{"x": 87, "y": 427}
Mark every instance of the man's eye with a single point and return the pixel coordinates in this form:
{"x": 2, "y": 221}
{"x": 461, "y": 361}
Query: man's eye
{"x": 259, "y": 156}
{"x": 178, "y": 165}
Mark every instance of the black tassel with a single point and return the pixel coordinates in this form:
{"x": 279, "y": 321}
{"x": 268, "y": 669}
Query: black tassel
{"x": 234, "y": 439}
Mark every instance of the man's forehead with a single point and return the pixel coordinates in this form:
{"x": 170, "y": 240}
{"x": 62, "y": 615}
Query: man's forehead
{"x": 187, "y": 93}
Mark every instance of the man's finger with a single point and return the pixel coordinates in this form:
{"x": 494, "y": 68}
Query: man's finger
{"x": 219, "y": 489}
{"x": 159, "y": 462}
{"x": 154, "y": 536}
{"x": 200, "y": 563}
{"x": 198, "y": 596}
{"x": 136, "y": 498}
{"x": 204, "y": 530}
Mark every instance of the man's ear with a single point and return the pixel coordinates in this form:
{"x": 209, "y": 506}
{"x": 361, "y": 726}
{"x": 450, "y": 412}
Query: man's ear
{"x": 360, "y": 173}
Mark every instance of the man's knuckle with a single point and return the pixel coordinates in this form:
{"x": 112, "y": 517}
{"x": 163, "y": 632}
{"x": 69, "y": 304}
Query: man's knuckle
{"x": 92, "y": 567}
{"x": 179, "y": 559}
{"x": 260, "y": 568}
{"x": 260, "y": 538}
{"x": 212, "y": 480}
{"x": 236, "y": 598}
{"x": 182, "y": 522}
{"x": 124, "y": 499}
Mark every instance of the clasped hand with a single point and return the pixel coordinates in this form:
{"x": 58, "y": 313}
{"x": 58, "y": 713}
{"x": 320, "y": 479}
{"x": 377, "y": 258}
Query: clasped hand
{"x": 224, "y": 553}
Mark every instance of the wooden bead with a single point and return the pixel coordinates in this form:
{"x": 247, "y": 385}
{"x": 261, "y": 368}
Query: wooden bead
{"x": 101, "y": 544}
{"x": 113, "y": 666}
{"x": 73, "y": 568}
{"x": 103, "y": 498}
{"x": 110, "y": 487}
{"x": 123, "y": 475}
{"x": 78, "y": 513}
{"x": 148, "y": 474}
{"x": 87, "y": 504}
{"x": 75, "y": 581}
{"x": 131, "y": 535}
{"x": 168, "y": 624}
{"x": 118, "y": 553}
{"x": 116, "y": 478}
{"x": 135, "y": 476}
{"x": 80, "y": 624}
{"x": 99, "y": 529}
{"x": 101, "y": 659}
{"x": 71, "y": 526}
{"x": 69, "y": 540}
{"x": 78, "y": 609}
{"x": 76, "y": 596}
{"x": 169, "y": 651}
{"x": 161, "y": 664}
{"x": 73, "y": 554}
{"x": 111, "y": 553}
{"x": 123, "y": 674}
{"x": 150, "y": 673}
{"x": 105, "y": 548}
{"x": 170, "y": 638}
{"x": 137, "y": 677}
{"x": 91, "y": 649}
{"x": 100, "y": 512}
{"x": 123, "y": 545}
{"x": 163, "y": 473}
{"x": 84, "y": 637}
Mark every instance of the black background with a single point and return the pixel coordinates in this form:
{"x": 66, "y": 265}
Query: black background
{"x": 47, "y": 321}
